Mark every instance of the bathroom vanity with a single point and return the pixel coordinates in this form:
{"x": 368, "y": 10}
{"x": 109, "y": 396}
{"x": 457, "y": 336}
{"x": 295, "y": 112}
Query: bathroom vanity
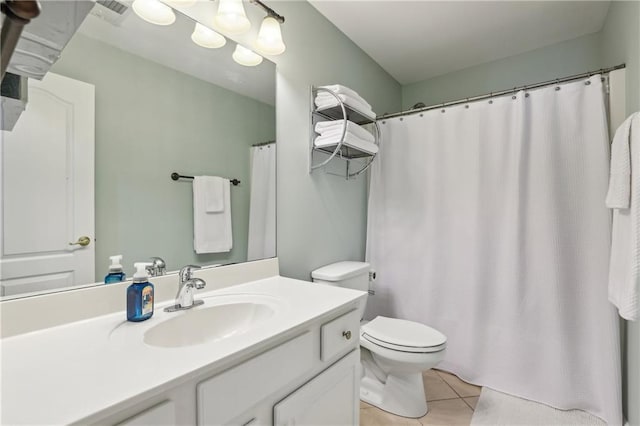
{"x": 269, "y": 351}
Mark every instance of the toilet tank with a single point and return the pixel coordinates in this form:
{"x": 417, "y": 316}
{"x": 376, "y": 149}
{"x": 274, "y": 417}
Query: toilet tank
{"x": 354, "y": 275}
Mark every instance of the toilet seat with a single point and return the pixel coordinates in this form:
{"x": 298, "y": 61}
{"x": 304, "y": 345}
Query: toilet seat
{"x": 401, "y": 335}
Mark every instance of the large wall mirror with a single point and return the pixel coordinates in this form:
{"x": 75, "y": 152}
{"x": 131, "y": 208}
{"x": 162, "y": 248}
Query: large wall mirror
{"x": 127, "y": 104}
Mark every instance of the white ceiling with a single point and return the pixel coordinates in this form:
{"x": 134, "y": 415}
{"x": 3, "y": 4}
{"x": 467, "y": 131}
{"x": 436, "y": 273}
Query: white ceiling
{"x": 172, "y": 47}
{"x": 416, "y": 40}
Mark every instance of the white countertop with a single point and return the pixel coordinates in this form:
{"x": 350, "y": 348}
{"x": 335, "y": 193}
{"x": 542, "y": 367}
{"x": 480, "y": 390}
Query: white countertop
{"x": 64, "y": 374}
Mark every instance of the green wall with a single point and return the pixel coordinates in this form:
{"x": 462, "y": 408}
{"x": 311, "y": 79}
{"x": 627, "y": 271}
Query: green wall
{"x": 321, "y": 217}
{"x": 559, "y": 60}
{"x": 150, "y": 121}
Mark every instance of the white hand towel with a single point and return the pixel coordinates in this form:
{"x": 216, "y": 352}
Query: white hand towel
{"x": 330, "y": 101}
{"x": 213, "y": 187}
{"x": 212, "y": 232}
{"x": 335, "y": 127}
{"x": 624, "y": 198}
{"x": 344, "y": 90}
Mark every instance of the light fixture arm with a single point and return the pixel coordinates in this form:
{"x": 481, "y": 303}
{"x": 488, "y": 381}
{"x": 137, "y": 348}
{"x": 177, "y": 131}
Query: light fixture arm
{"x": 270, "y": 12}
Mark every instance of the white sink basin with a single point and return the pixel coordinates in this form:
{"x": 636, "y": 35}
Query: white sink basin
{"x": 215, "y": 320}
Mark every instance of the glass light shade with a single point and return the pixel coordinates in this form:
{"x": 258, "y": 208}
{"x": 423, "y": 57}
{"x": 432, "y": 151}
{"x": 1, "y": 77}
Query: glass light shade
{"x": 206, "y": 37}
{"x": 154, "y": 12}
{"x": 269, "y": 39}
{"x": 231, "y": 17}
{"x": 183, "y": 3}
{"x": 246, "y": 57}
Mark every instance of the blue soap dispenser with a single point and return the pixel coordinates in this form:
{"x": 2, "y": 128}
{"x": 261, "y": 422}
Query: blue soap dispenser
{"x": 140, "y": 295}
{"x": 115, "y": 275}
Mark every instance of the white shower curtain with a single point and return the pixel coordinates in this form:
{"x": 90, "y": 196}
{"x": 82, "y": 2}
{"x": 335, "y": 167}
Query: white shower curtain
{"x": 262, "y": 208}
{"x": 488, "y": 223}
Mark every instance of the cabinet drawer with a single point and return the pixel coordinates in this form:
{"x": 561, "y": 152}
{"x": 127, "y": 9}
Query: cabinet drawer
{"x": 340, "y": 335}
{"x": 227, "y": 395}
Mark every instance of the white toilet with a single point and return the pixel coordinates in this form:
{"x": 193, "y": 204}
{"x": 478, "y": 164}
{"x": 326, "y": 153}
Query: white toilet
{"x": 394, "y": 352}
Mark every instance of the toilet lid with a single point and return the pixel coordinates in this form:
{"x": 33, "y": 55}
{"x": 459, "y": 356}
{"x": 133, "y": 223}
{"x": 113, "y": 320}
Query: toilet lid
{"x": 402, "y": 335}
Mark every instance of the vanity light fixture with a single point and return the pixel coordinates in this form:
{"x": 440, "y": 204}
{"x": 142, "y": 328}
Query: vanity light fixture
{"x": 154, "y": 11}
{"x": 182, "y": 3}
{"x": 206, "y": 37}
{"x": 246, "y": 57}
{"x": 269, "y": 39}
{"x": 231, "y": 17}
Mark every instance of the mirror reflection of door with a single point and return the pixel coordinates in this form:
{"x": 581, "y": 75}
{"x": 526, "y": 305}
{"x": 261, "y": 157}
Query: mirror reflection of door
{"x": 46, "y": 159}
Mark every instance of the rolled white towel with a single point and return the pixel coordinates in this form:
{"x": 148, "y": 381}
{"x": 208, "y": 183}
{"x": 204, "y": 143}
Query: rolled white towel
{"x": 327, "y": 102}
{"x": 326, "y": 128}
{"x": 344, "y": 90}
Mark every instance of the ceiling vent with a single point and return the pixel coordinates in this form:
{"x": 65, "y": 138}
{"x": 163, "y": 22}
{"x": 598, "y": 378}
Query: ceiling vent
{"x": 111, "y": 11}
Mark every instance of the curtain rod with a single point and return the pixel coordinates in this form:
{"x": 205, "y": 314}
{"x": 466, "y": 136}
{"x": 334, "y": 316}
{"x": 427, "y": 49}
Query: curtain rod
{"x": 502, "y": 92}
{"x": 263, "y": 143}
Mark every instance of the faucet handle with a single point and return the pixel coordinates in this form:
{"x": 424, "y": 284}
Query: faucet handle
{"x": 159, "y": 266}
{"x": 186, "y": 271}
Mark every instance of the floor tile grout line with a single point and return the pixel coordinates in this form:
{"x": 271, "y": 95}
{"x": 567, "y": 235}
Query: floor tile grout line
{"x": 443, "y": 399}
{"x": 453, "y": 389}
{"x": 469, "y": 405}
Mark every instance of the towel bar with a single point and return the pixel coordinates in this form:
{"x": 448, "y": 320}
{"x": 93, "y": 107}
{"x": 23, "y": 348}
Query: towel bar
{"x": 176, "y": 176}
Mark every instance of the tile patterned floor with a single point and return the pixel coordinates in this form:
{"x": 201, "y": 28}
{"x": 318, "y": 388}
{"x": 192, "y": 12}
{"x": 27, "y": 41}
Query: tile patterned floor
{"x": 451, "y": 402}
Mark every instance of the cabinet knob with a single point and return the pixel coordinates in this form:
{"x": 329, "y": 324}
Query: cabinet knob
{"x": 347, "y": 334}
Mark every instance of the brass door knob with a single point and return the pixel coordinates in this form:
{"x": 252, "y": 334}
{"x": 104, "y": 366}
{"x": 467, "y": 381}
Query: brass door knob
{"x": 82, "y": 241}
{"x": 347, "y": 334}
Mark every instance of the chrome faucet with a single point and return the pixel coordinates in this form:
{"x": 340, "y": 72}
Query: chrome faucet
{"x": 186, "y": 284}
{"x": 157, "y": 268}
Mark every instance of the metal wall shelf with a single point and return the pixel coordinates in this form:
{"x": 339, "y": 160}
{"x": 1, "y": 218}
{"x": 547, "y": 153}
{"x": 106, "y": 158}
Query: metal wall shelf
{"x": 341, "y": 149}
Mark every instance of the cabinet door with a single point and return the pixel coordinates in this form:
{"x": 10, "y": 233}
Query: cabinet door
{"x": 330, "y": 398}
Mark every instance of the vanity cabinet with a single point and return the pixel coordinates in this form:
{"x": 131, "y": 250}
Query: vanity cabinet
{"x": 160, "y": 414}
{"x": 309, "y": 376}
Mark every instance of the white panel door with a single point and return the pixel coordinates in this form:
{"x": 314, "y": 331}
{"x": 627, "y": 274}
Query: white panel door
{"x": 47, "y": 188}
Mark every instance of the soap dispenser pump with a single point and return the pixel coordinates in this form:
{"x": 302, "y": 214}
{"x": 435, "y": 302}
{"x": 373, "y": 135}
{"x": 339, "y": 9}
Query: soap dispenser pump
{"x": 116, "y": 274}
{"x": 140, "y": 295}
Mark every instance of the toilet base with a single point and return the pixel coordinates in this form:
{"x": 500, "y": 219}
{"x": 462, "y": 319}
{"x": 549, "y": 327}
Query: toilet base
{"x": 399, "y": 394}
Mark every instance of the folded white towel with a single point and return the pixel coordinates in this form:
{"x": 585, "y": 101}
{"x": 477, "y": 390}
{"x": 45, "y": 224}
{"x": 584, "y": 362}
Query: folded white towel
{"x": 344, "y": 90}
{"x": 330, "y": 101}
{"x": 335, "y": 127}
{"x": 212, "y": 232}
{"x": 349, "y": 140}
{"x": 624, "y": 197}
{"x": 213, "y": 187}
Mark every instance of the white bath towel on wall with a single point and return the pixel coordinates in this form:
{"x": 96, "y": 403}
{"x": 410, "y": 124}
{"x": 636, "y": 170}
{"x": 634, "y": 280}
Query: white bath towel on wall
{"x": 336, "y": 127}
{"x": 624, "y": 197}
{"x": 212, "y": 232}
{"x": 488, "y": 224}
{"x": 344, "y": 90}
{"x": 327, "y": 101}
